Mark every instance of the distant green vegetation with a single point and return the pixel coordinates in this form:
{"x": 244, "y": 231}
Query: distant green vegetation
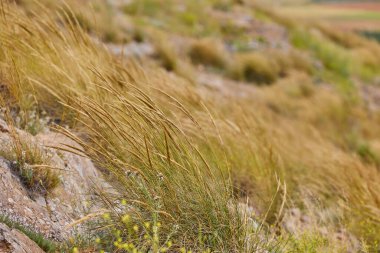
{"x": 359, "y": 15}
{"x": 339, "y": 60}
{"x": 374, "y": 35}
{"x": 189, "y": 18}
{"x": 333, "y": 57}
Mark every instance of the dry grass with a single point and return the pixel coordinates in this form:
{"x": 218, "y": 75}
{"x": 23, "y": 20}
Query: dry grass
{"x": 30, "y": 162}
{"x": 266, "y": 67}
{"x": 287, "y": 135}
{"x": 167, "y": 56}
{"x": 186, "y": 158}
{"x": 209, "y": 53}
{"x": 256, "y": 68}
{"x": 136, "y": 114}
{"x": 95, "y": 17}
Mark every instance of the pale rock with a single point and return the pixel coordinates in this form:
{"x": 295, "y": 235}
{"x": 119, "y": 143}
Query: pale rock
{"x": 13, "y": 241}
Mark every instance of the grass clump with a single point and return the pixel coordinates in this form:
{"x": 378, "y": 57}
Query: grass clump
{"x": 266, "y": 67}
{"x": 209, "y": 53}
{"x": 31, "y": 162}
{"x": 254, "y": 67}
{"x": 131, "y": 120}
{"x": 160, "y": 178}
{"x": 166, "y": 56}
{"x": 32, "y": 165}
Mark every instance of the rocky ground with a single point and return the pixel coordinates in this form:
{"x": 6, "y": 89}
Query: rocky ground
{"x": 49, "y": 215}
{"x": 12, "y": 240}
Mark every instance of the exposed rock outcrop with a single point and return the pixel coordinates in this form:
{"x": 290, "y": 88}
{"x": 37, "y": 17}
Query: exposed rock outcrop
{"x": 13, "y": 241}
{"x": 49, "y": 215}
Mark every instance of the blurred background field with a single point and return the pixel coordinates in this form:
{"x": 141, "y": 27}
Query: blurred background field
{"x": 358, "y": 16}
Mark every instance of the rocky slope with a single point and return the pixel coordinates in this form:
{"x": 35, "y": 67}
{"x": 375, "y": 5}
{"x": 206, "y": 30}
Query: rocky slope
{"x": 51, "y": 214}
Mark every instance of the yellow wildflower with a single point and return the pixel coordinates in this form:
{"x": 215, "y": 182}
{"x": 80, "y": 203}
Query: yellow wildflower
{"x": 126, "y": 218}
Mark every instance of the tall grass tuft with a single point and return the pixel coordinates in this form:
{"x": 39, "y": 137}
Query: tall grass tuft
{"x": 209, "y": 53}
{"x": 130, "y": 125}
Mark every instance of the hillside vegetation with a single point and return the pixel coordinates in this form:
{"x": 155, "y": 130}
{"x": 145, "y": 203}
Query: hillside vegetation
{"x": 219, "y": 125}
